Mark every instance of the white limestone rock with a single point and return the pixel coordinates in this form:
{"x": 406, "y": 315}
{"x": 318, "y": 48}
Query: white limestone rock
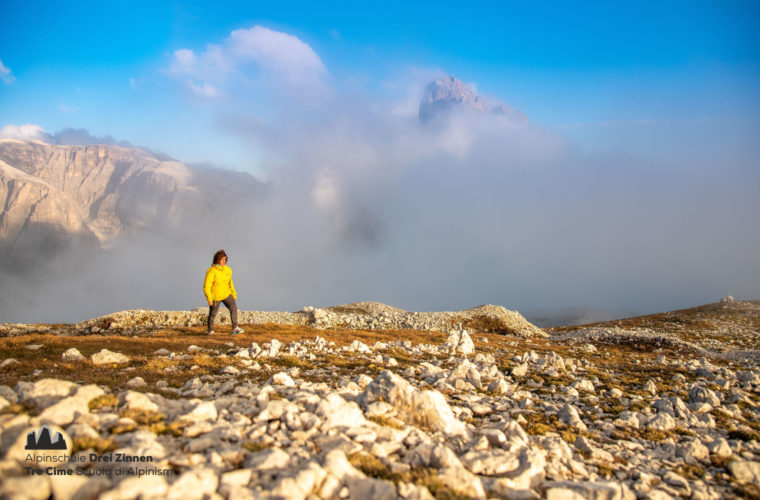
{"x": 72, "y": 354}
{"x": 201, "y": 411}
{"x": 459, "y": 342}
{"x": 300, "y": 486}
{"x": 134, "y": 400}
{"x": 427, "y": 409}
{"x": 360, "y": 347}
{"x": 698, "y": 394}
{"x": 25, "y": 487}
{"x": 661, "y": 422}
{"x": 745, "y": 471}
{"x": 273, "y": 458}
{"x": 45, "y": 392}
{"x": 569, "y": 415}
{"x": 275, "y": 409}
{"x": 194, "y": 484}
{"x": 692, "y": 451}
{"x": 462, "y": 482}
{"x": 136, "y": 383}
{"x": 9, "y": 362}
{"x": 337, "y": 412}
{"x": 584, "y": 490}
{"x": 365, "y": 487}
{"x": 106, "y": 357}
{"x": 528, "y": 475}
{"x": 66, "y": 410}
{"x": 138, "y": 487}
{"x": 520, "y": 370}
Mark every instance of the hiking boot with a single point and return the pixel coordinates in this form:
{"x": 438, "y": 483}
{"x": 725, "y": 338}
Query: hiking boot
{"x": 237, "y": 330}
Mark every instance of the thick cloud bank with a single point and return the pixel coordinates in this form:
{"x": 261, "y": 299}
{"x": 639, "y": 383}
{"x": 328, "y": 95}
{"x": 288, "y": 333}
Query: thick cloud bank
{"x": 363, "y": 202}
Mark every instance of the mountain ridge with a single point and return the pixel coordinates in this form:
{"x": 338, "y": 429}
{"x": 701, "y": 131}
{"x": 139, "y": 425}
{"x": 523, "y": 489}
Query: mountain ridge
{"x": 54, "y": 196}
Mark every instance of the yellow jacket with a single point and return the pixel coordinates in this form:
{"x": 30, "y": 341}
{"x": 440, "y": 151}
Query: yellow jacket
{"x": 218, "y": 283}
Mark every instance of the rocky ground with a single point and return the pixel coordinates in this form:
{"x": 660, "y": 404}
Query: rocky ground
{"x": 360, "y": 401}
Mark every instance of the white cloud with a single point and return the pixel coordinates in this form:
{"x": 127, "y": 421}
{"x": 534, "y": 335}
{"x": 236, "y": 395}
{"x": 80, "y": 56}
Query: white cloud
{"x": 26, "y": 132}
{"x": 203, "y": 89}
{"x": 6, "y": 75}
{"x": 256, "y": 51}
{"x": 326, "y": 190}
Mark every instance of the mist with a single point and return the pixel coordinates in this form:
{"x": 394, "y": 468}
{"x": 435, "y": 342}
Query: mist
{"x": 362, "y": 202}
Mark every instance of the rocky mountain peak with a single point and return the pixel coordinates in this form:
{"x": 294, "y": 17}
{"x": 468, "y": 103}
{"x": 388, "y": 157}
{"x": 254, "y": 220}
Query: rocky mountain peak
{"x": 443, "y": 95}
{"x": 446, "y": 94}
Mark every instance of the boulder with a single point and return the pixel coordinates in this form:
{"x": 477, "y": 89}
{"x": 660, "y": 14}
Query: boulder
{"x": 283, "y": 378}
{"x": 365, "y": 487}
{"x": 462, "y": 482}
{"x": 138, "y": 401}
{"x": 569, "y": 415}
{"x": 337, "y": 412}
{"x": 194, "y": 484}
{"x": 72, "y": 354}
{"x": 300, "y": 486}
{"x": 136, "y": 382}
{"x": 745, "y": 471}
{"x": 661, "y": 422}
{"x": 460, "y": 342}
{"x": 587, "y": 490}
{"x": 106, "y": 357}
{"x": 273, "y": 458}
{"x": 46, "y": 391}
{"x": 66, "y": 410}
{"x": 202, "y": 411}
{"x": 427, "y": 409}
{"x": 699, "y": 394}
{"x": 26, "y": 487}
{"x": 138, "y": 487}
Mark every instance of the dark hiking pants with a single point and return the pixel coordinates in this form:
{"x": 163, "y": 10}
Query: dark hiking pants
{"x": 231, "y": 305}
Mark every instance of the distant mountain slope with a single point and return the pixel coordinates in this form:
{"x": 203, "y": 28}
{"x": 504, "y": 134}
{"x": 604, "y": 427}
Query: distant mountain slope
{"x": 54, "y": 195}
{"x": 38, "y": 219}
{"x": 726, "y": 324}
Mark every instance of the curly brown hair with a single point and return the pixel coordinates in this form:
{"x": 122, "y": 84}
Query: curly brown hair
{"x": 218, "y": 256}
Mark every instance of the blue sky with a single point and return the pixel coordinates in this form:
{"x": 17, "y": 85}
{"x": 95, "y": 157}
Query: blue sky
{"x": 634, "y": 186}
{"x": 586, "y": 67}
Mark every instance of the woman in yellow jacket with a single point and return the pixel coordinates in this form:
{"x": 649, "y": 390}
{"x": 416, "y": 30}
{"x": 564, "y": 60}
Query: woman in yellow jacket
{"x": 219, "y": 289}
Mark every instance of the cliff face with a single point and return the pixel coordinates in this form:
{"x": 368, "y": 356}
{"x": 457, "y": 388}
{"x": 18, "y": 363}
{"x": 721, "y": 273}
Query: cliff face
{"x": 37, "y": 220}
{"x": 107, "y": 189}
{"x": 54, "y": 196}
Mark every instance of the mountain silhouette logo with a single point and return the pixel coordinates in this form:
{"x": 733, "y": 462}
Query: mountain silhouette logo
{"x": 42, "y": 440}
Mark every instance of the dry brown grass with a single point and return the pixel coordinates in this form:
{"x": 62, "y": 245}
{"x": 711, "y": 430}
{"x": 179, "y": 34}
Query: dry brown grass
{"x": 151, "y": 368}
{"x": 106, "y": 400}
{"x": 484, "y": 324}
{"x": 99, "y": 445}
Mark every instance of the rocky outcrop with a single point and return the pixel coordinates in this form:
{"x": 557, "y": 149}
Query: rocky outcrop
{"x": 489, "y": 318}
